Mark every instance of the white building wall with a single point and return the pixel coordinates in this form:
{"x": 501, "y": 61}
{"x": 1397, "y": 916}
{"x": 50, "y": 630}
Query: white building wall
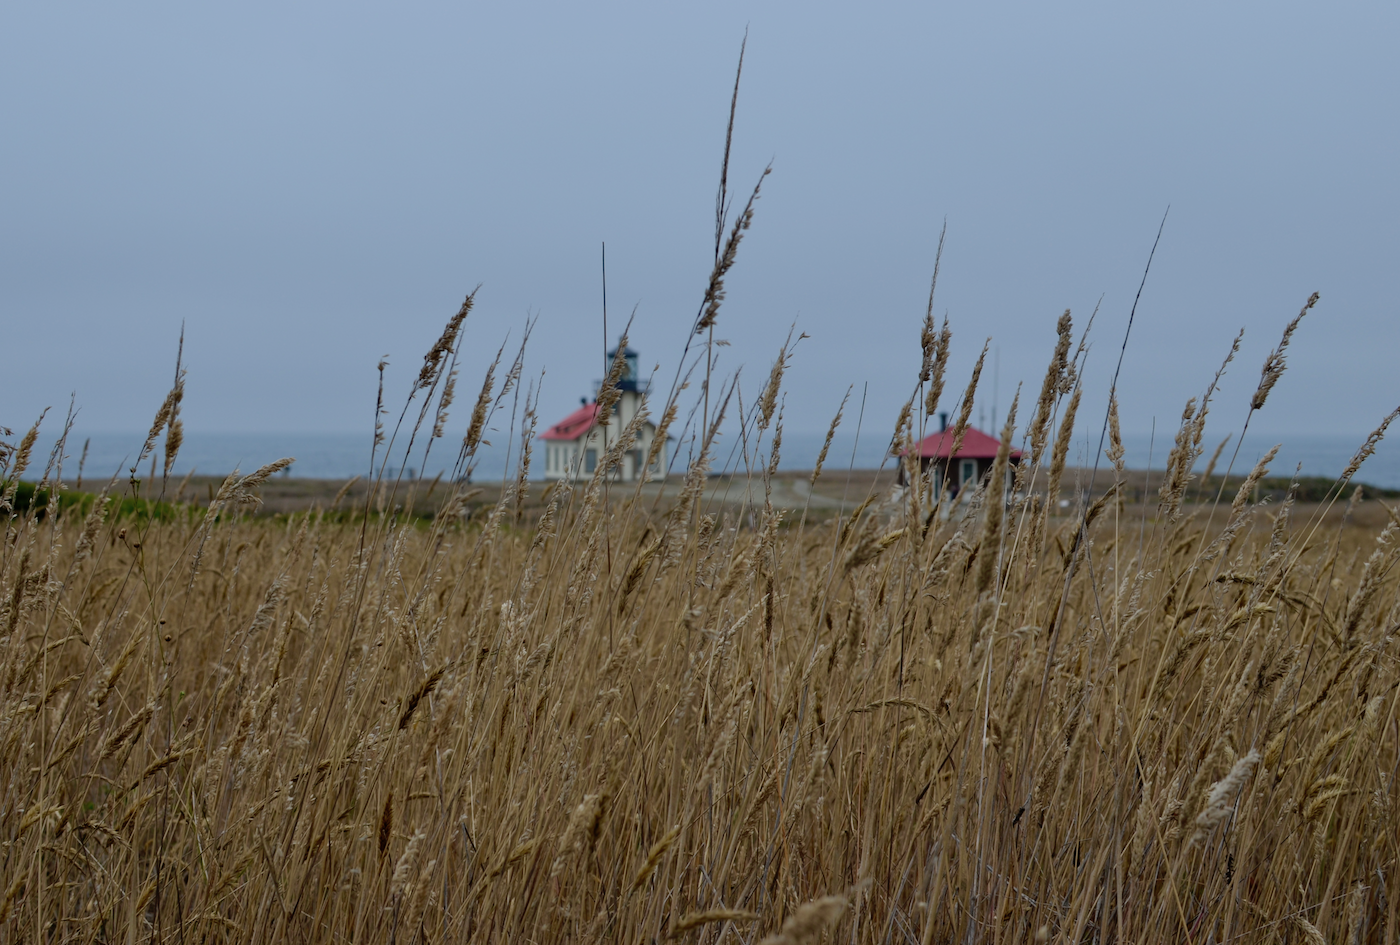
{"x": 569, "y": 459}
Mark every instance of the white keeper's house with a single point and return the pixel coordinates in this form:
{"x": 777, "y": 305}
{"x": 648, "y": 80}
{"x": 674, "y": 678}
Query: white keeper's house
{"x": 575, "y": 445}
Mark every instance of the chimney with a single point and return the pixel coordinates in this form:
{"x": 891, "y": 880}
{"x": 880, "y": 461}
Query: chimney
{"x": 942, "y": 423}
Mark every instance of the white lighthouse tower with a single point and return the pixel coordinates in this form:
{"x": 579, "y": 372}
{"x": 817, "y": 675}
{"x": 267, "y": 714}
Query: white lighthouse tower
{"x": 575, "y": 445}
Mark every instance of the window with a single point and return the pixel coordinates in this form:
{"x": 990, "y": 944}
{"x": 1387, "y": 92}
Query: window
{"x": 590, "y": 460}
{"x": 969, "y": 472}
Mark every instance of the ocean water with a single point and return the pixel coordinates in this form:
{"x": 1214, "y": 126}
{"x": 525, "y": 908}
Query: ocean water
{"x": 339, "y": 456}
{"x": 1313, "y": 454}
{"x": 1325, "y": 454}
{"x": 318, "y": 455}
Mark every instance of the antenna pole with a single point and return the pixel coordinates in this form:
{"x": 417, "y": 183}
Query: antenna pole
{"x": 606, "y": 366}
{"x": 996, "y": 387}
{"x": 605, "y": 310}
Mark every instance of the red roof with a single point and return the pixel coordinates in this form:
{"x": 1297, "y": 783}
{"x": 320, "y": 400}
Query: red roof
{"x": 574, "y": 425}
{"x": 975, "y": 445}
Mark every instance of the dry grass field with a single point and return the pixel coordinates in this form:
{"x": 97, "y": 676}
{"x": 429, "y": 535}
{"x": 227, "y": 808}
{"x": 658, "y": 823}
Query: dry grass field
{"x": 604, "y": 713}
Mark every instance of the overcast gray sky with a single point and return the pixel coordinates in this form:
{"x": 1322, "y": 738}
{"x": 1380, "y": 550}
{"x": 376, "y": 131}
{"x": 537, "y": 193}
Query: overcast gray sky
{"x": 309, "y": 186}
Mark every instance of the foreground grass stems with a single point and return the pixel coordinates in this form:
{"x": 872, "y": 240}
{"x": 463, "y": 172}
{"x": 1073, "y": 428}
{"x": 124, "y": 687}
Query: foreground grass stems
{"x": 221, "y": 726}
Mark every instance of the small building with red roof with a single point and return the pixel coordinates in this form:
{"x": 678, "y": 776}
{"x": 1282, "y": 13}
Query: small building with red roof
{"x": 966, "y": 468}
{"x": 575, "y": 445}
